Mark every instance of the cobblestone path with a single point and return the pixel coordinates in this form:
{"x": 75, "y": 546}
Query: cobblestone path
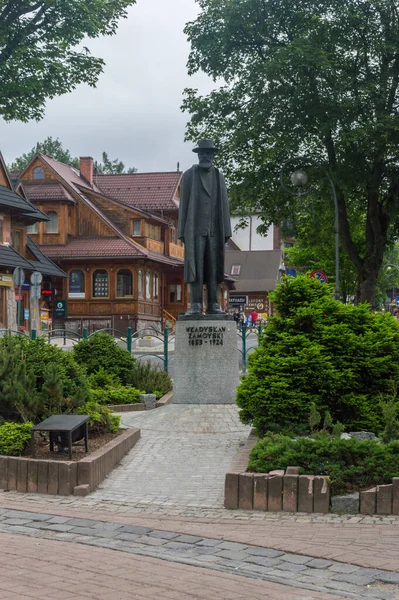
{"x": 181, "y": 459}
{"x": 297, "y": 571}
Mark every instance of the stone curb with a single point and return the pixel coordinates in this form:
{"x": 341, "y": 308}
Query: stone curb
{"x": 62, "y": 478}
{"x": 140, "y": 406}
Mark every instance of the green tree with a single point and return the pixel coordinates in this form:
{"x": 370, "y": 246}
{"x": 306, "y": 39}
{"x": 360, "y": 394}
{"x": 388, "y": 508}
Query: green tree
{"x": 110, "y": 166}
{"x": 55, "y": 149}
{"x": 40, "y": 52}
{"x": 316, "y": 77}
{"x": 50, "y": 147}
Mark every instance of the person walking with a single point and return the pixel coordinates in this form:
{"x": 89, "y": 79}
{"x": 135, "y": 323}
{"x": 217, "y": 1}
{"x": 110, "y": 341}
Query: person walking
{"x": 254, "y": 318}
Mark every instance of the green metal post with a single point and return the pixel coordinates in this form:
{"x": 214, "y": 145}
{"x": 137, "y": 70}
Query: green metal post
{"x": 165, "y": 349}
{"x": 129, "y": 340}
{"x": 244, "y": 348}
{"x": 85, "y": 334}
{"x": 33, "y": 334}
{"x": 259, "y": 330}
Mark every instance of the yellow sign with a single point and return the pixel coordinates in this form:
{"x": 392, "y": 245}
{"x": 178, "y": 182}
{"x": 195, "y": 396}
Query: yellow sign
{"x": 6, "y": 280}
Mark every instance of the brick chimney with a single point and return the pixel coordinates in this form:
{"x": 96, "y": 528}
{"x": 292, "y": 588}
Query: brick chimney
{"x": 86, "y": 168}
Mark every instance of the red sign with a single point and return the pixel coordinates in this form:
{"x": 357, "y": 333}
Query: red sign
{"x": 320, "y": 275}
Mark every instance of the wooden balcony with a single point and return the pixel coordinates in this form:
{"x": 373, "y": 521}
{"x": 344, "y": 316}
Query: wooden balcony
{"x": 176, "y": 251}
{"x": 155, "y": 246}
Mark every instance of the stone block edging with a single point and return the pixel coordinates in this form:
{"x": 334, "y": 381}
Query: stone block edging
{"x": 277, "y": 491}
{"x": 139, "y": 406}
{"x": 62, "y": 477}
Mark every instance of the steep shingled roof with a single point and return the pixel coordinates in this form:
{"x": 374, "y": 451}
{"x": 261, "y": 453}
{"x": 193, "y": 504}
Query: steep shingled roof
{"x": 146, "y": 191}
{"x": 13, "y": 200}
{"x": 46, "y": 190}
{"x": 96, "y": 247}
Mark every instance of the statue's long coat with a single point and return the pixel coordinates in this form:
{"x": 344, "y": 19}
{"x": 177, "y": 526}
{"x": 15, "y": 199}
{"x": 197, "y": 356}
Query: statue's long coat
{"x": 193, "y": 195}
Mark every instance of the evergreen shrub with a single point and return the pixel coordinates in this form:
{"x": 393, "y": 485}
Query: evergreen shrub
{"x": 350, "y": 464}
{"x": 150, "y": 378}
{"x": 317, "y": 351}
{"x": 37, "y": 380}
{"x": 101, "y": 351}
{"x": 102, "y": 420}
{"x": 14, "y": 438}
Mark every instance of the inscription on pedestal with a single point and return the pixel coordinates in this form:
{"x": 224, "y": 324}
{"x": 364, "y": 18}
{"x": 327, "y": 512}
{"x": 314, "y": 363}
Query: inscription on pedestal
{"x": 197, "y": 336}
{"x": 206, "y": 362}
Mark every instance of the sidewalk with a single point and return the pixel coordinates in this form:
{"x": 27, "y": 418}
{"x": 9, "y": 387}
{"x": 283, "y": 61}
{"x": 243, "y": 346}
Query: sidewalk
{"x": 60, "y": 571}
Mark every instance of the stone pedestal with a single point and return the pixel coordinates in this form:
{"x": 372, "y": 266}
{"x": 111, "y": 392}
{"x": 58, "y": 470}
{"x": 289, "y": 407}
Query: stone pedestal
{"x": 206, "y": 367}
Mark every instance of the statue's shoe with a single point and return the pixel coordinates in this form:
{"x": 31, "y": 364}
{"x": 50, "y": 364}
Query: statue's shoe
{"x": 214, "y": 309}
{"x": 196, "y": 309}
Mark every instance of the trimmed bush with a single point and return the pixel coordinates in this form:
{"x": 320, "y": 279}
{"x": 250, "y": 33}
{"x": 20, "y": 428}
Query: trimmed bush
{"x": 101, "y": 351}
{"x": 121, "y": 394}
{"x": 102, "y": 420}
{"x": 341, "y": 358}
{"x": 351, "y": 465}
{"x": 14, "y": 438}
{"x": 150, "y": 378}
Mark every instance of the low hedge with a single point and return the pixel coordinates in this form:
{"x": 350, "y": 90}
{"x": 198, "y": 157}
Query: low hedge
{"x": 14, "y": 438}
{"x": 350, "y": 464}
{"x": 122, "y": 394}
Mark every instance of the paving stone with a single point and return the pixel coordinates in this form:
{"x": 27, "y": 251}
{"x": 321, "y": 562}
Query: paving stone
{"x": 297, "y": 559}
{"x": 108, "y": 526}
{"x": 354, "y": 578}
{"x": 319, "y": 563}
{"x": 60, "y": 527}
{"x": 232, "y": 554}
{"x": 231, "y": 546}
{"x": 110, "y": 534}
{"x": 150, "y": 541}
{"x": 287, "y": 566}
{"x": 178, "y": 546}
{"x": 343, "y": 568}
{"x": 269, "y": 552}
{"x": 58, "y": 520}
{"x": 341, "y": 586}
{"x": 16, "y": 521}
{"x": 81, "y": 522}
{"x": 128, "y": 537}
{"x": 318, "y": 573}
{"x": 135, "y": 529}
{"x": 81, "y": 530}
{"x": 188, "y": 539}
{"x": 262, "y": 560}
{"x": 388, "y": 577}
{"x": 166, "y": 535}
{"x": 19, "y": 514}
{"x": 210, "y": 543}
{"x": 282, "y": 574}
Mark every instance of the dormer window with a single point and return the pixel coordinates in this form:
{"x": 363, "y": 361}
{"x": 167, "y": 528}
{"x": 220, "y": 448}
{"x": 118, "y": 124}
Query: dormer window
{"x": 38, "y": 173}
{"x": 235, "y": 269}
{"x": 136, "y": 227}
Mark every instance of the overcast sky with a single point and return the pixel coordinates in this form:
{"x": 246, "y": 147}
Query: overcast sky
{"x": 134, "y": 113}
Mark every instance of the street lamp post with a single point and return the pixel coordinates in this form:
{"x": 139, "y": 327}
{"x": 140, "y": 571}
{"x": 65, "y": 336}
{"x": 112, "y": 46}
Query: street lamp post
{"x": 299, "y": 179}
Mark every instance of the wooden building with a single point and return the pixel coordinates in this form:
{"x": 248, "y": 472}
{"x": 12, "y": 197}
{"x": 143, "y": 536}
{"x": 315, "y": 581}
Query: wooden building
{"x": 17, "y": 215}
{"x": 115, "y": 237}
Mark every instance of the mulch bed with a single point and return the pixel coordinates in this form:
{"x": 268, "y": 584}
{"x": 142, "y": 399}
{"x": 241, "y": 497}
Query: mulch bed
{"x": 42, "y": 447}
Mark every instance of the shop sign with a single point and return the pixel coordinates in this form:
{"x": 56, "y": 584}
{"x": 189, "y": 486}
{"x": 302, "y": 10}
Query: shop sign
{"x": 236, "y": 300}
{"x": 257, "y": 303}
{"x": 6, "y": 280}
{"x": 26, "y": 314}
{"x": 60, "y": 309}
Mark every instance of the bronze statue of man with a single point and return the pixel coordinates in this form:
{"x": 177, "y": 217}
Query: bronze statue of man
{"x": 204, "y": 227}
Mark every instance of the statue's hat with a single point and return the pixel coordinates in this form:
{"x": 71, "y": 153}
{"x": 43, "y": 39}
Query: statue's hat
{"x": 205, "y": 145}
